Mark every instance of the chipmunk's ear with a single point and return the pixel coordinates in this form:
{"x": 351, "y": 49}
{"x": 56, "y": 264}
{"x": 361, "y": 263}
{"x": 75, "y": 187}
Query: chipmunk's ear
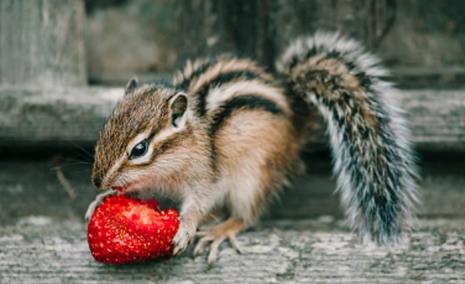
{"x": 178, "y": 110}
{"x": 131, "y": 85}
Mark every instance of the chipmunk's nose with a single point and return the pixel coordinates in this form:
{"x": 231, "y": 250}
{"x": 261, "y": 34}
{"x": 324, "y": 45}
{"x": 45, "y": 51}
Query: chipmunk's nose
{"x": 97, "y": 180}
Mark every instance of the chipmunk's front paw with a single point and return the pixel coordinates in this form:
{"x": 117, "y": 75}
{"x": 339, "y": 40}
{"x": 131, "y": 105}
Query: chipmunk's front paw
{"x": 183, "y": 237}
{"x": 96, "y": 203}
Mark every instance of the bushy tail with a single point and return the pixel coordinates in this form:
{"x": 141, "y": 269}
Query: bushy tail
{"x": 373, "y": 160}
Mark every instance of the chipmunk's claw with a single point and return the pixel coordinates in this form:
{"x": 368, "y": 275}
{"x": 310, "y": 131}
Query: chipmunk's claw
{"x": 183, "y": 238}
{"x": 216, "y": 235}
{"x": 96, "y": 203}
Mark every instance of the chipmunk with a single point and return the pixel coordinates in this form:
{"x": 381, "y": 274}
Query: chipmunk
{"x": 226, "y": 133}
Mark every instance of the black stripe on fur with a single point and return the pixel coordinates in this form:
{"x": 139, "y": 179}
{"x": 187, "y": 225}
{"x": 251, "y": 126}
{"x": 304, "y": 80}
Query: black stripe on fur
{"x": 219, "y": 80}
{"x": 250, "y": 102}
{"x": 184, "y": 84}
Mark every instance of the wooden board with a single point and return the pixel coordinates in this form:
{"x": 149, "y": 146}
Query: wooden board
{"x": 60, "y": 117}
{"x": 43, "y": 236}
{"x": 41, "y": 249}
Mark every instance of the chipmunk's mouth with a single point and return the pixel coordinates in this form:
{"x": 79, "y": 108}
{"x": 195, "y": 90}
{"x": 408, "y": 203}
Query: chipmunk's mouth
{"x": 124, "y": 189}
{"x": 119, "y": 189}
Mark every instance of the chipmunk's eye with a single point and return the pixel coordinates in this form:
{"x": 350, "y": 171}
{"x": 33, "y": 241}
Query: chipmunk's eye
{"x": 139, "y": 150}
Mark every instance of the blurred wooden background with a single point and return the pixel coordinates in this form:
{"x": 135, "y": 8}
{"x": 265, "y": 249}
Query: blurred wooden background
{"x": 63, "y": 64}
{"x": 423, "y": 41}
{"x": 50, "y": 43}
{"x": 59, "y": 57}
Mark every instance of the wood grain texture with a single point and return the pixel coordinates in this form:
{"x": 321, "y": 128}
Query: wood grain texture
{"x": 57, "y": 117}
{"x": 43, "y": 237}
{"x": 54, "y": 117}
{"x": 41, "y": 43}
{"x": 41, "y": 249}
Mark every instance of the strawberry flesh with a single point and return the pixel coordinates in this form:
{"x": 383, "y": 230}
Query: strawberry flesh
{"x": 124, "y": 230}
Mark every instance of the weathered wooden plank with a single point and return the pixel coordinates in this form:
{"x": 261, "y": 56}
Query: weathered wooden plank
{"x": 58, "y": 117}
{"x": 54, "y": 117}
{"x": 41, "y": 43}
{"x": 436, "y": 117}
{"x": 42, "y": 249}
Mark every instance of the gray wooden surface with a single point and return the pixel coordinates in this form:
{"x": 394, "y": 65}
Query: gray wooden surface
{"x": 43, "y": 236}
{"x": 32, "y": 117}
{"x": 41, "y": 43}
{"x": 40, "y": 249}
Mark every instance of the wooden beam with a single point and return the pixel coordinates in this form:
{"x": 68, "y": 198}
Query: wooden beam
{"x": 41, "y": 43}
{"x": 436, "y": 117}
{"x": 33, "y": 117}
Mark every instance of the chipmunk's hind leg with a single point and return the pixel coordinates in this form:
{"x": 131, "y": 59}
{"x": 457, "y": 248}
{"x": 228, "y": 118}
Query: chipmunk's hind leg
{"x": 216, "y": 234}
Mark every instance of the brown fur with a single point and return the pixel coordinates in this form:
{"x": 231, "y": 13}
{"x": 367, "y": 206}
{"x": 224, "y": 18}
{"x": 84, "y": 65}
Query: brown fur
{"x": 226, "y": 134}
{"x": 241, "y": 163}
{"x": 264, "y": 145}
{"x": 136, "y": 112}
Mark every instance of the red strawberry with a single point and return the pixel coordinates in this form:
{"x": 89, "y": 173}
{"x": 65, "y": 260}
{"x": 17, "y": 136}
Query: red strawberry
{"x": 124, "y": 230}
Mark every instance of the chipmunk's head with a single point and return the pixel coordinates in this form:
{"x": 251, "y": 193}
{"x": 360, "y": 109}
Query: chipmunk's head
{"x": 141, "y": 138}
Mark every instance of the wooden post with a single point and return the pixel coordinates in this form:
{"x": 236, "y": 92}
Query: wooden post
{"x": 41, "y": 44}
